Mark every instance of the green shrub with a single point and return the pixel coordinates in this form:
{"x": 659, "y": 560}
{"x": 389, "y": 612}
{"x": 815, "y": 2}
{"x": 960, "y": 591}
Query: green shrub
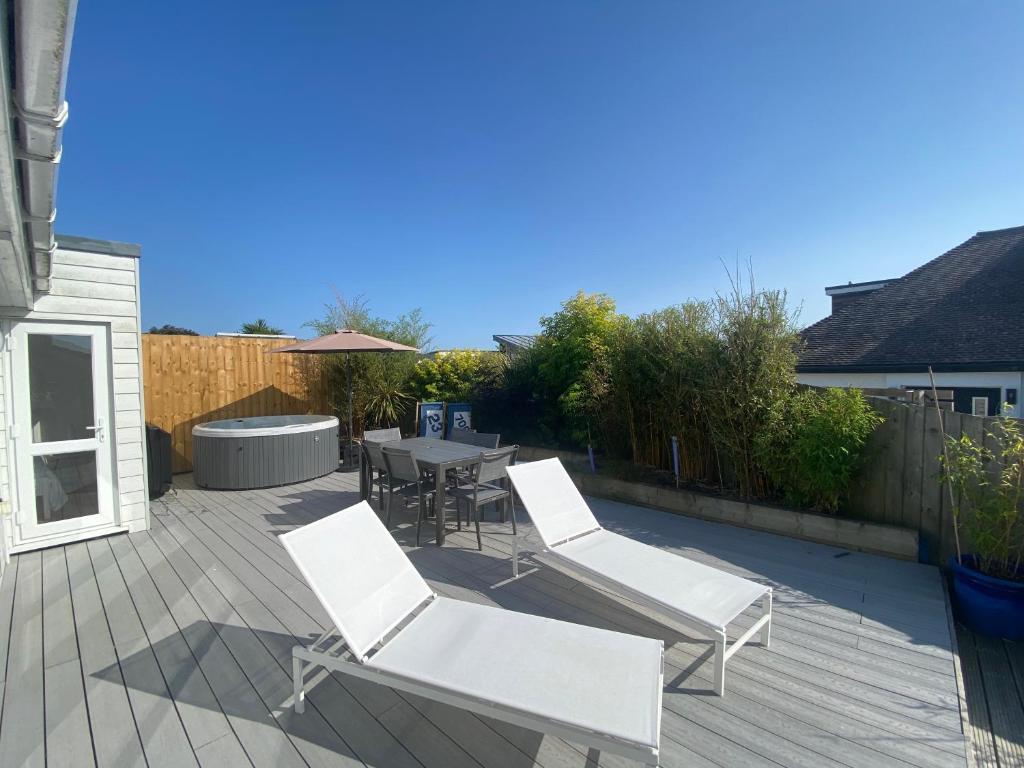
{"x": 455, "y": 375}
{"x": 817, "y": 445}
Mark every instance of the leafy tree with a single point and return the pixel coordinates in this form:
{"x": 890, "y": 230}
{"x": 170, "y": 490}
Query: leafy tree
{"x": 571, "y": 358}
{"x": 380, "y": 382}
{"x": 260, "y": 326}
{"x": 455, "y": 375}
{"x": 172, "y": 330}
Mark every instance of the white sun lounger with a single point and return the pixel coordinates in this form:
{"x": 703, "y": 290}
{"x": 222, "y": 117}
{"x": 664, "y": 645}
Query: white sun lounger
{"x": 697, "y": 596}
{"x": 598, "y": 688}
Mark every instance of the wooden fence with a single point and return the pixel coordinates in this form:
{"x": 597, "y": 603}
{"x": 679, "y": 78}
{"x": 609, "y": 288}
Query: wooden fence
{"x": 189, "y": 380}
{"x": 900, "y": 485}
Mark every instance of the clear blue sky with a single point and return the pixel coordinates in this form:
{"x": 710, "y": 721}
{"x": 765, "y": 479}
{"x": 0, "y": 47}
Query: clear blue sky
{"x": 485, "y": 160}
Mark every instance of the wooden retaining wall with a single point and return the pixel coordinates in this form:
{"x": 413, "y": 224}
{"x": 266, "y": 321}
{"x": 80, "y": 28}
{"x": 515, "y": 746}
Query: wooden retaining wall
{"x": 190, "y": 380}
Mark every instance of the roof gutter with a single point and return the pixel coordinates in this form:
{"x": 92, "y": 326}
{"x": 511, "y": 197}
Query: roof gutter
{"x": 984, "y": 366}
{"x": 42, "y": 51}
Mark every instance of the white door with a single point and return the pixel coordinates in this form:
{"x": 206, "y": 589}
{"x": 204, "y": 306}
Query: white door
{"x": 61, "y": 430}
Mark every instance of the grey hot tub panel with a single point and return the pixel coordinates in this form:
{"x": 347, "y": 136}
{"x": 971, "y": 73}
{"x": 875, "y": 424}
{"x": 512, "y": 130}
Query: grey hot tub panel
{"x": 236, "y": 461}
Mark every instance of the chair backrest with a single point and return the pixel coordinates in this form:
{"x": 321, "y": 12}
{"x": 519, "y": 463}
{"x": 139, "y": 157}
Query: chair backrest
{"x": 375, "y": 453}
{"x": 401, "y": 464}
{"x": 464, "y": 436}
{"x": 486, "y": 439}
{"x": 382, "y": 435}
{"x": 492, "y": 465}
{"x": 481, "y": 439}
{"x": 555, "y": 506}
{"x": 358, "y": 573}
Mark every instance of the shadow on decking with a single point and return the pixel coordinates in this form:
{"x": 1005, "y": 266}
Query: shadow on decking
{"x": 222, "y": 671}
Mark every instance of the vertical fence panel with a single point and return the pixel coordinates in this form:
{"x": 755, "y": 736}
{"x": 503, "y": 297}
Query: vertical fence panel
{"x": 193, "y": 379}
{"x": 913, "y": 467}
{"x": 900, "y": 482}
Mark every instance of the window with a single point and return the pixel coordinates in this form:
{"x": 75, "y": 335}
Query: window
{"x": 979, "y": 406}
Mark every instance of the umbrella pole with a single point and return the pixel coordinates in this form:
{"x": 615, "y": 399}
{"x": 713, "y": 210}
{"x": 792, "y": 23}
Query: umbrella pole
{"x": 348, "y": 367}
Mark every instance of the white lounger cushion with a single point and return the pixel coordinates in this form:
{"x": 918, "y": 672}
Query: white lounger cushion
{"x": 601, "y": 681}
{"x": 709, "y": 596}
{"x": 557, "y": 509}
{"x": 359, "y": 574}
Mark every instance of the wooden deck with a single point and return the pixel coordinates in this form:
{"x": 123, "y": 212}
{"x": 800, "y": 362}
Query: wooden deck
{"x": 993, "y": 672}
{"x": 172, "y": 647}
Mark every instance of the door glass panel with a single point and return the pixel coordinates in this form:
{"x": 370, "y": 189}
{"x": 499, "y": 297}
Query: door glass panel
{"x": 65, "y": 486}
{"x": 60, "y": 386}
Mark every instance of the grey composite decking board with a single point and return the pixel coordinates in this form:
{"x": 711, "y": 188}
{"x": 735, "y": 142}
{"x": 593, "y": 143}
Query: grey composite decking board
{"x": 115, "y": 736}
{"x": 6, "y": 613}
{"x": 296, "y": 622}
{"x": 227, "y": 681}
{"x": 156, "y": 716}
{"x": 68, "y": 731}
{"x": 440, "y": 715}
{"x": 369, "y": 690}
{"x": 769, "y": 720}
{"x": 22, "y": 731}
{"x": 198, "y": 624}
{"x": 449, "y": 720}
{"x": 315, "y": 742}
{"x": 197, "y": 706}
{"x": 801, "y": 678}
{"x": 857, "y": 673}
{"x": 880, "y": 759}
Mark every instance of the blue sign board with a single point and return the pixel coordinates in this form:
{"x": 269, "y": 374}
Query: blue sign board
{"x": 459, "y": 417}
{"x": 431, "y": 420}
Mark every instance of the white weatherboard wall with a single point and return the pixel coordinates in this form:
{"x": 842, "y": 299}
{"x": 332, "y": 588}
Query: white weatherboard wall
{"x": 1002, "y": 380}
{"x": 97, "y": 282}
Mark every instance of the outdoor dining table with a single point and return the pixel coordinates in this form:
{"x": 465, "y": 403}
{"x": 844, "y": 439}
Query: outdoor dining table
{"x": 437, "y": 456}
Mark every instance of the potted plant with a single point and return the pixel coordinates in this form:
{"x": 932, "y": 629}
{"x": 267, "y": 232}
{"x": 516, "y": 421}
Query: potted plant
{"x": 986, "y": 486}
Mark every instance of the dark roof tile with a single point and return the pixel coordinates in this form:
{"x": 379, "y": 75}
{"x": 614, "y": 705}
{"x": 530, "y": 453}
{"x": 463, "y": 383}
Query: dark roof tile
{"x": 964, "y": 309}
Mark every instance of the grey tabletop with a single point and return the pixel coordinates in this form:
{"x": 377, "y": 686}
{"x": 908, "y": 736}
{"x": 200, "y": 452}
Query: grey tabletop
{"x": 432, "y": 451}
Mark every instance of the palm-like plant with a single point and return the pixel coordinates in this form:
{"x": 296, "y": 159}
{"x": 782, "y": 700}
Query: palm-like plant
{"x": 261, "y": 327}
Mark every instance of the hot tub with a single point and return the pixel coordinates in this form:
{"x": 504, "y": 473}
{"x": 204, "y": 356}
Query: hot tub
{"x": 262, "y": 451}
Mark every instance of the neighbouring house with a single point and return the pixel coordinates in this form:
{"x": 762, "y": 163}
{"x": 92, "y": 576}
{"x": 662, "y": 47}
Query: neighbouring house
{"x": 72, "y": 453}
{"x": 962, "y": 314}
{"x": 512, "y": 344}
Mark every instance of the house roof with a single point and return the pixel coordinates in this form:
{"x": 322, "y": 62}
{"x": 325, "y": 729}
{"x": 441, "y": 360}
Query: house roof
{"x": 962, "y": 311}
{"x": 518, "y": 341}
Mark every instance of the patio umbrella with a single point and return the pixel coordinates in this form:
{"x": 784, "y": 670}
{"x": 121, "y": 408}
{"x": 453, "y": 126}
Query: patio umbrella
{"x": 346, "y": 341}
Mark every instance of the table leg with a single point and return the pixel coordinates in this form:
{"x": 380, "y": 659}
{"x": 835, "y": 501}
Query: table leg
{"x": 439, "y": 504}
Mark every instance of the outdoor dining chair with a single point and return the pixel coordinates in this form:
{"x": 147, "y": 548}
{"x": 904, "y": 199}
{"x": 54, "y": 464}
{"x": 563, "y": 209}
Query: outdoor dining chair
{"x": 469, "y": 437}
{"x": 407, "y": 480}
{"x": 373, "y": 456}
{"x": 388, "y": 435}
{"x": 488, "y": 483}
{"x": 599, "y": 688}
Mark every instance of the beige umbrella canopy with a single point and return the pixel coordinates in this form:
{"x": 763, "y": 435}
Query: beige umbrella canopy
{"x": 346, "y": 341}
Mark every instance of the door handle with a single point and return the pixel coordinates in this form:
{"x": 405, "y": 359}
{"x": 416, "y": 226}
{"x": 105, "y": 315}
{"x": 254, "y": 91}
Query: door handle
{"x": 98, "y": 429}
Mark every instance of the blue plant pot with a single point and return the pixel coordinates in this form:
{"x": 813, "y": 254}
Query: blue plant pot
{"x": 986, "y": 604}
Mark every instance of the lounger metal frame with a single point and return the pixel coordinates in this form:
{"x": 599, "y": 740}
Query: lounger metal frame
{"x": 723, "y": 649}
{"x": 329, "y": 651}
